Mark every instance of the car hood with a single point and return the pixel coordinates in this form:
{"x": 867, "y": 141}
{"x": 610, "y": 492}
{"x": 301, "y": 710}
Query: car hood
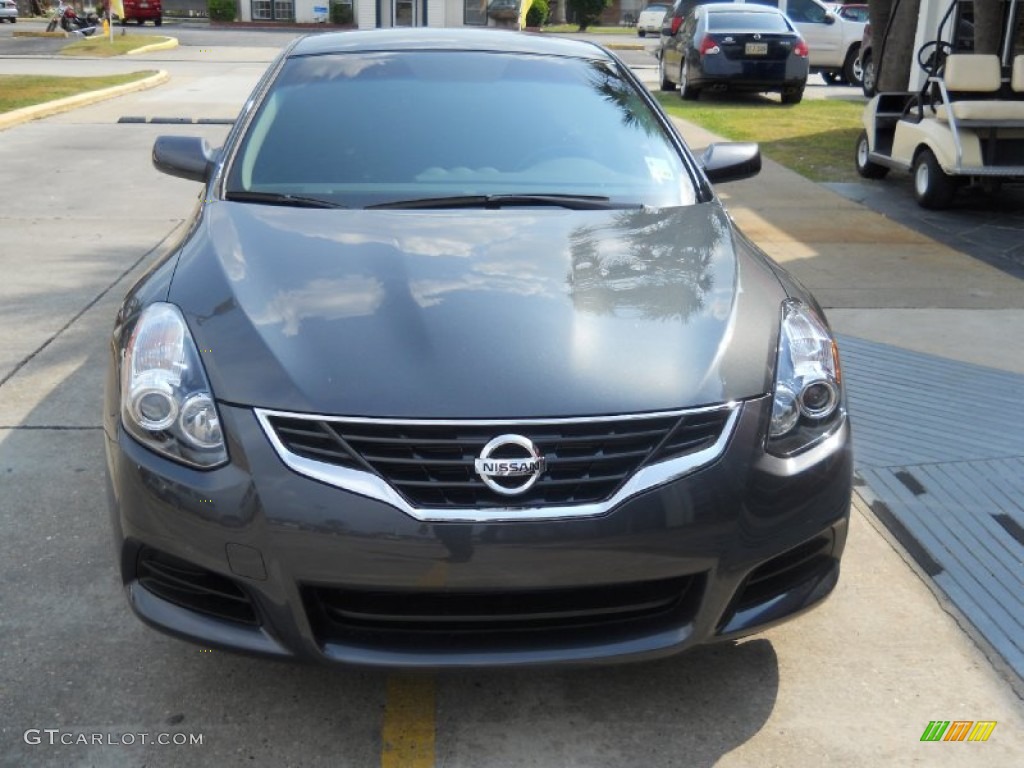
{"x": 512, "y": 313}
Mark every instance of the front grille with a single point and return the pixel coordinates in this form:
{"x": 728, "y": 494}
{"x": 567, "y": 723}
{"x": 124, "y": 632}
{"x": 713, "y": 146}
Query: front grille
{"x": 189, "y": 586}
{"x": 497, "y": 617}
{"x": 431, "y": 464}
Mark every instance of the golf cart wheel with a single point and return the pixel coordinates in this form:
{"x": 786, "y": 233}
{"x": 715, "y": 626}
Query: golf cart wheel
{"x": 159, "y": 21}
{"x": 865, "y": 167}
{"x": 932, "y": 187}
{"x": 830, "y": 78}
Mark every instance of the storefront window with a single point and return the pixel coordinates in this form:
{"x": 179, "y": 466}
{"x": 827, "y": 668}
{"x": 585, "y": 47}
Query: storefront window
{"x": 475, "y": 12}
{"x": 273, "y": 10}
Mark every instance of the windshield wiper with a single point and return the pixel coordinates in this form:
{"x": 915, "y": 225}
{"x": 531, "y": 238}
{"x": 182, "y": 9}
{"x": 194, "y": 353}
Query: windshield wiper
{"x": 281, "y": 198}
{"x": 573, "y": 202}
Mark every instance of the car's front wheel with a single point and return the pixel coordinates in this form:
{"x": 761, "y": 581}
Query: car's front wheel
{"x": 862, "y": 158}
{"x": 686, "y": 91}
{"x": 852, "y": 72}
{"x": 933, "y": 188}
{"x": 867, "y": 68}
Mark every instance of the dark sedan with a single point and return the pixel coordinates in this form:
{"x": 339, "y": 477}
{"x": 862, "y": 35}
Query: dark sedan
{"x": 460, "y": 361}
{"x": 740, "y": 47}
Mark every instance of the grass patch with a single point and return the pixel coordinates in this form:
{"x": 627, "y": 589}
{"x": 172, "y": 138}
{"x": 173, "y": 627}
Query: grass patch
{"x": 18, "y": 91}
{"x": 814, "y": 138}
{"x": 100, "y": 45}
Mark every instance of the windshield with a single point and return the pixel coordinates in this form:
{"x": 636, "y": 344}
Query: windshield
{"x": 376, "y": 128}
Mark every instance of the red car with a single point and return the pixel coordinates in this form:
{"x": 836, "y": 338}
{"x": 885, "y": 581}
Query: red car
{"x": 141, "y": 10}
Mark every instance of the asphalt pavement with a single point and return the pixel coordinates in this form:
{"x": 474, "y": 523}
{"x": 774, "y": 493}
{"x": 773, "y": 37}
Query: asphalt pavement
{"x": 854, "y": 683}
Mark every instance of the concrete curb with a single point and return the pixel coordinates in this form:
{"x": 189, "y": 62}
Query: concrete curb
{"x": 167, "y": 44}
{"x": 31, "y": 33}
{"x": 37, "y": 111}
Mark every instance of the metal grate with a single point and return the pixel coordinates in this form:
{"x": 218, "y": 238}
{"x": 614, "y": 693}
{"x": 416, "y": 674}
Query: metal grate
{"x": 431, "y": 464}
{"x": 403, "y": 616}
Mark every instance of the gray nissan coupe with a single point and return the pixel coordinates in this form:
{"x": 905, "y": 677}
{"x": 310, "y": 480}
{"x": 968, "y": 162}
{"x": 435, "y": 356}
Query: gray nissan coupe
{"x": 460, "y": 361}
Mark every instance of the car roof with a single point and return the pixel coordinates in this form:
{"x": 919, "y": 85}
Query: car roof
{"x": 740, "y": 8}
{"x": 446, "y": 39}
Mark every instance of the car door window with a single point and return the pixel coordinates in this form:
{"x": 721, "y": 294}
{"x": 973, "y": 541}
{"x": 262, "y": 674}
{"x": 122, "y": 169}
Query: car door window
{"x": 806, "y": 11}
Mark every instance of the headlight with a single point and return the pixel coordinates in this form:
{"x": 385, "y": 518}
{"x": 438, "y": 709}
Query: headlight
{"x": 808, "y": 398}
{"x": 166, "y": 403}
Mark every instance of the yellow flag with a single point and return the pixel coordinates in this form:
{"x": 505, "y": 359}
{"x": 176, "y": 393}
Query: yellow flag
{"x": 117, "y": 7}
{"x": 523, "y": 9}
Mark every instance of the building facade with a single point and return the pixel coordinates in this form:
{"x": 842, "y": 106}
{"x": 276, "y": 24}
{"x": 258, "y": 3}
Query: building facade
{"x": 372, "y": 14}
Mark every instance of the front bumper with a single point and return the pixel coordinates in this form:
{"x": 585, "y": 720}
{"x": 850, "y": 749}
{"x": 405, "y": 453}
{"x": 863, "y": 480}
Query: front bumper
{"x": 253, "y": 557}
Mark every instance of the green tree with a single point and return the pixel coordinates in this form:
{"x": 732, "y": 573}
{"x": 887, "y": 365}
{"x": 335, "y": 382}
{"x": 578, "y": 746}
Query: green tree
{"x": 587, "y": 11}
{"x": 538, "y": 14}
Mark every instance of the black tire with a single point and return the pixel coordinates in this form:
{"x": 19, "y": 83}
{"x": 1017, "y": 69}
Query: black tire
{"x": 140, "y": 22}
{"x": 932, "y": 187}
{"x": 793, "y": 95}
{"x": 666, "y": 84}
{"x": 641, "y": 33}
{"x": 867, "y": 69}
{"x": 159, "y": 21}
{"x": 851, "y": 72}
{"x": 830, "y": 78}
{"x": 686, "y": 91}
{"x": 865, "y": 167}
{"x": 52, "y": 26}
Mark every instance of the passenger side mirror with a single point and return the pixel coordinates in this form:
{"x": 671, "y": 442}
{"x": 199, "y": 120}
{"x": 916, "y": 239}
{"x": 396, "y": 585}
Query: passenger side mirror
{"x": 187, "y": 157}
{"x": 731, "y": 161}
{"x": 830, "y": 18}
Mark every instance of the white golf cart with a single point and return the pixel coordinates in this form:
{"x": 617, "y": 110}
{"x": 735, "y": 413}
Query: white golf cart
{"x": 964, "y": 126}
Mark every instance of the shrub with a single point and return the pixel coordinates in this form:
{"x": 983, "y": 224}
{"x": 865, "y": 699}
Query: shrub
{"x": 221, "y": 10}
{"x": 538, "y": 14}
{"x": 341, "y": 13}
{"x": 587, "y": 11}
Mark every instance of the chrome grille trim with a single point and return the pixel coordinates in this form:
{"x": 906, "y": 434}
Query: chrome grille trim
{"x": 375, "y": 487}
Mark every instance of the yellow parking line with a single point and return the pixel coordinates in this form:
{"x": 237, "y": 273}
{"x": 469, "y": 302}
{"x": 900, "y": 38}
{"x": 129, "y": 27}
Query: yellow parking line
{"x": 407, "y": 737}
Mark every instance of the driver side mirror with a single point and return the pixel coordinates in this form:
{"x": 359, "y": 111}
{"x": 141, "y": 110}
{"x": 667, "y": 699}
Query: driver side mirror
{"x": 731, "y": 161}
{"x": 830, "y": 18}
{"x": 187, "y": 157}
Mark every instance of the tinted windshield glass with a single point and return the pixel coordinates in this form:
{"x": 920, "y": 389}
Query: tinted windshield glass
{"x": 364, "y": 129}
{"x": 738, "y": 21}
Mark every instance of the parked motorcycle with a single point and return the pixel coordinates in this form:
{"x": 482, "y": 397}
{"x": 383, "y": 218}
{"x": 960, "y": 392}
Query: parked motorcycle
{"x": 68, "y": 20}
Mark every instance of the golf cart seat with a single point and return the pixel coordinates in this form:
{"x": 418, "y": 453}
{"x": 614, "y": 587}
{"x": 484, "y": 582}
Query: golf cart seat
{"x": 968, "y": 78}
